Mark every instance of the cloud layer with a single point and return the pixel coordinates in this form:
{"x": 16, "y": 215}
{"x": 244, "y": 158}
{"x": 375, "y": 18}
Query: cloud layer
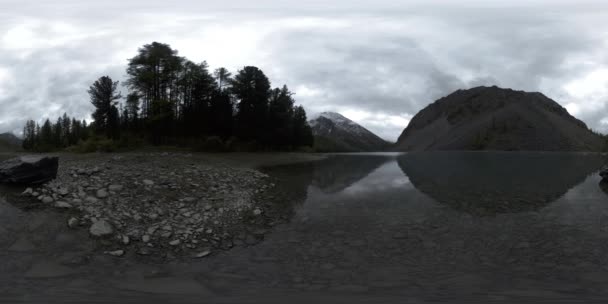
{"x": 377, "y": 62}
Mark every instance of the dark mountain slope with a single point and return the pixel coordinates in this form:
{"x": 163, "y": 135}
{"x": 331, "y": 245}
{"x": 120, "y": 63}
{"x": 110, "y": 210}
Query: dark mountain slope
{"x": 491, "y": 118}
{"x": 9, "y": 142}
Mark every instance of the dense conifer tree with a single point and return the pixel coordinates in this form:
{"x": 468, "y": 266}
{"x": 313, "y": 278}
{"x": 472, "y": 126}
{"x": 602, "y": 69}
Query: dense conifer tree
{"x": 251, "y": 89}
{"x": 172, "y": 100}
{"x": 104, "y": 97}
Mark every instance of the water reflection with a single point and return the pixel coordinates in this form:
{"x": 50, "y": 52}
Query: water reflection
{"x": 339, "y": 172}
{"x": 491, "y": 183}
{"x": 480, "y": 184}
{"x": 604, "y": 185}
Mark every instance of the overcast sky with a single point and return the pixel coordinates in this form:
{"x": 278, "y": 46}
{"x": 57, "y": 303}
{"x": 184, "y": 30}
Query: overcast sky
{"x": 376, "y": 62}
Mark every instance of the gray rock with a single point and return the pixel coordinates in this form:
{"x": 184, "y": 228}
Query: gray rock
{"x": 175, "y": 242}
{"x": 116, "y": 253}
{"x": 72, "y": 222}
{"x": 91, "y": 200}
{"x": 202, "y": 254}
{"x": 62, "y": 205}
{"x": 257, "y": 212}
{"x": 144, "y": 251}
{"x": 28, "y": 192}
{"x": 29, "y": 170}
{"x": 63, "y": 191}
{"x": 115, "y": 188}
{"x": 151, "y": 230}
{"x": 145, "y": 238}
{"x": 101, "y": 228}
{"x": 102, "y": 193}
{"x": 148, "y": 182}
{"x": 47, "y": 199}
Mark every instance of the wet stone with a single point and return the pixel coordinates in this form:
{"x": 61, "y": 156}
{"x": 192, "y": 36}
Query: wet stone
{"x": 115, "y": 188}
{"x": 101, "y": 228}
{"x": 62, "y": 205}
{"x": 116, "y": 253}
{"x": 72, "y": 222}
{"x": 202, "y": 254}
{"x": 102, "y": 193}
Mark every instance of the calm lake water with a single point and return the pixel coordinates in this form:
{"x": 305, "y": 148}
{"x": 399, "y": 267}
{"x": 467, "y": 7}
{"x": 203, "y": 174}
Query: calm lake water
{"x": 401, "y": 188}
{"x": 460, "y": 227}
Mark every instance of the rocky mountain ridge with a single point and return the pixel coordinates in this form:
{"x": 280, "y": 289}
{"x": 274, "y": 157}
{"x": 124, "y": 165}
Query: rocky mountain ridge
{"x": 335, "y": 133}
{"x": 492, "y": 118}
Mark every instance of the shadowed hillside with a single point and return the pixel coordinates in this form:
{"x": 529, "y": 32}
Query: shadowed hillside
{"x": 491, "y": 118}
{"x": 9, "y": 142}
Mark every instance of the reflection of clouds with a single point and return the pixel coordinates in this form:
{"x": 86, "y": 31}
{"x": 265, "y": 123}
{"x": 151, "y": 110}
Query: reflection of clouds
{"x": 385, "y": 196}
{"x": 339, "y": 172}
{"x": 388, "y": 196}
{"x": 584, "y": 206}
{"x": 385, "y": 178}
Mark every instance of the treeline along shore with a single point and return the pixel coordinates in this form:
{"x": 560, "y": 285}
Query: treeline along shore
{"x": 171, "y": 100}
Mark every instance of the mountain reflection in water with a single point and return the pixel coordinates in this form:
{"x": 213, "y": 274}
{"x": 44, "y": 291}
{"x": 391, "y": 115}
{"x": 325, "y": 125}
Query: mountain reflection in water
{"x": 604, "y": 186}
{"x": 485, "y": 183}
{"x": 337, "y": 173}
{"x": 478, "y": 183}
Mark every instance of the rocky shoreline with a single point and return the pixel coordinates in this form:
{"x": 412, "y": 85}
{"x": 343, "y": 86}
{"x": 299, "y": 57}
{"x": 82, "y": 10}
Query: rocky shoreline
{"x": 161, "y": 206}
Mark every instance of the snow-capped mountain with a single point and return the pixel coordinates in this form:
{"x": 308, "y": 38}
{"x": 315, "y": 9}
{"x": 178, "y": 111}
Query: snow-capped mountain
{"x": 334, "y": 132}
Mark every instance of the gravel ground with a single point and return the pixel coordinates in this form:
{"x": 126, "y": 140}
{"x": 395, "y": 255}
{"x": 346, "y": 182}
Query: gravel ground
{"x": 161, "y": 205}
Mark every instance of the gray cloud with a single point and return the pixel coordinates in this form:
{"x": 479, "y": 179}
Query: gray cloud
{"x": 379, "y": 61}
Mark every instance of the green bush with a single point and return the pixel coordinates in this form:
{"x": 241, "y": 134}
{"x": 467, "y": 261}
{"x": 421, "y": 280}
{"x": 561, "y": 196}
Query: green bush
{"x": 44, "y": 148}
{"x": 233, "y": 144}
{"x": 130, "y": 142}
{"x": 211, "y": 144}
{"x": 305, "y": 149}
{"x": 106, "y": 145}
{"x": 92, "y": 145}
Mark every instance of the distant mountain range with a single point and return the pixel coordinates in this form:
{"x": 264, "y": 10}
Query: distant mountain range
{"x": 9, "y": 142}
{"x": 492, "y": 118}
{"x": 336, "y": 133}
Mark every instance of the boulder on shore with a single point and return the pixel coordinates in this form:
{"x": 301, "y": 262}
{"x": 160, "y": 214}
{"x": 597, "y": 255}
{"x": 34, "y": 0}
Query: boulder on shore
{"x": 29, "y": 170}
{"x": 604, "y": 173}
